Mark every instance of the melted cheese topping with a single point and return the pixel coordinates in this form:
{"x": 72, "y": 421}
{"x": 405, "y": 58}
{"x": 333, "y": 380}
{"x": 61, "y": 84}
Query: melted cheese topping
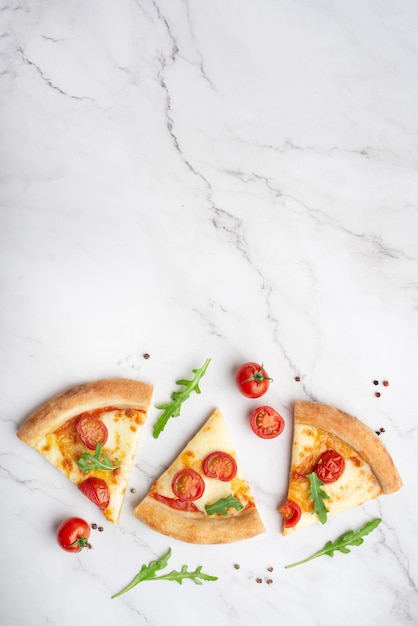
{"x": 211, "y": 438}
{"x": 63, "y": 448}
{"x": 356, "y": 485}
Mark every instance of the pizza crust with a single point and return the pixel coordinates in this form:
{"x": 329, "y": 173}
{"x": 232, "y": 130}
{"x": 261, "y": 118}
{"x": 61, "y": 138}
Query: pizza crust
{"x": 359, "y": 436}
{"x": 197, "y": 528}
{"x": 121, "y": 393}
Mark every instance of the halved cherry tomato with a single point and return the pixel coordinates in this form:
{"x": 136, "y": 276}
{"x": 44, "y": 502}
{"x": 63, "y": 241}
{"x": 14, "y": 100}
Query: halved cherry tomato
{"x": 188, "y": 485}
{"x": 92, "y": 431}
{"x": 176, "y": 503}
{"x": 73, "y": 534}
{"x": 329, "y": 466}
{"x": 266, "y": 422}
{"x": 291, "y": 512}
{"x": 252, "y": 380}
{"x": 96, "y": 490}
{"x": 220, "y": 465}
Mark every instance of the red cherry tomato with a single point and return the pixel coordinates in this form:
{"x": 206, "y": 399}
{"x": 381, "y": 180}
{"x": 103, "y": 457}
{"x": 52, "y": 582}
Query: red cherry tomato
{"x": 92, "y": 431}
{"x": 96, "y": 490}
{"x": 329, "y": 466}
{"x": 266, "y": 422}
{"x": 252, "y": 380}
{"x": 73, "y": 534}
{"x": 291, "y": 512}
{"x": 188, "y": 485}
{"x": 176, "y": 503}
{"x": 220, "y": 465}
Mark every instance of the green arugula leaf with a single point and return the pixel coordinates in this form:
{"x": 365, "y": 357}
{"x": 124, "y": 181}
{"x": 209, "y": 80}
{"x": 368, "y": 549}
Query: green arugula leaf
{"x": 149, "y": 572}
{"x": 221, "y": 506}
{"x": 350, "y": 538}
{"x": 318, "y": 496}
{"x": 172, "y": 409}
{"x": 98, "y": 460}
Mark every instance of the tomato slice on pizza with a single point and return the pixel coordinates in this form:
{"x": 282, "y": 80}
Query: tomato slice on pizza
{"x": 220, "y": 465}
{"x": 203, "y": 496}
{"x": 341, "y": 458}
{"x": 91, "y": 433}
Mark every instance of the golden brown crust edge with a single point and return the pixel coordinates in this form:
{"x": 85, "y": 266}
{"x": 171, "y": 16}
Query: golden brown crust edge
{"x": 195, "y": 527}
{"x": 359, "y": 436}
{"x": 117, "y": 392}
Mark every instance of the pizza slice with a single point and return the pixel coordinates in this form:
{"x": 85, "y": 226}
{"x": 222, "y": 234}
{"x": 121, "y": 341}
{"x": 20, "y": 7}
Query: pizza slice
{"x": 337, "y": 463}
{"x": 203, "y": 496}
{"x": 90, "y": 433}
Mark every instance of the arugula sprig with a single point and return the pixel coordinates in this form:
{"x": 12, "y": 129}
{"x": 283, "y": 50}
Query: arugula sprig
{"x": 221, "y": 506}
{"x": 149, "y": 572}
{"x": 98, "y": 460}
{"x": 350, "y": 538}
{"x": 318, "y": 496}
{"x": 172, "y": 409}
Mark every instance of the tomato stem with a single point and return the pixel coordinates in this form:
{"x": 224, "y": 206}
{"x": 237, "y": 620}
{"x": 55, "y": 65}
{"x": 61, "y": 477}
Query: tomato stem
{"x": 81, "y": 543}
{"x": 258, "y": 376}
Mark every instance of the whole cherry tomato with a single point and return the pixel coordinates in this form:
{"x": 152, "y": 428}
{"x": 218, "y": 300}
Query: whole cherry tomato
{"x": 266, "y": 422}
{"x": 329, "y": 466}
{"x": 73, "y": 534}
{"x": 252, "y": 380}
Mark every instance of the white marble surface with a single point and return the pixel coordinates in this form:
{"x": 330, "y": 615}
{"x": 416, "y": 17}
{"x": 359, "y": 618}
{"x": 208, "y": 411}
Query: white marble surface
{"x": 234, "y": 180}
